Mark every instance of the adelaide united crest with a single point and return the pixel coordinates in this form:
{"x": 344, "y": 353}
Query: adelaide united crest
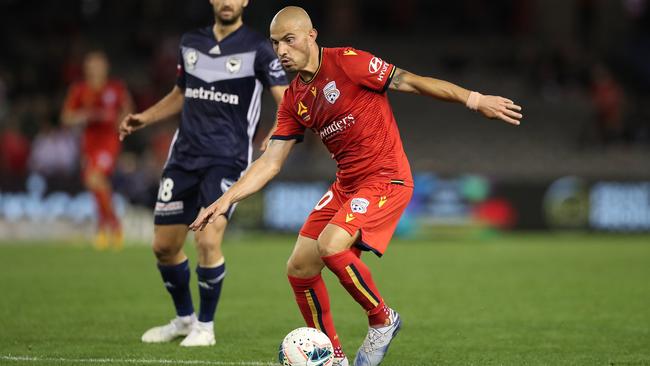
{"x": 331, "y": 92}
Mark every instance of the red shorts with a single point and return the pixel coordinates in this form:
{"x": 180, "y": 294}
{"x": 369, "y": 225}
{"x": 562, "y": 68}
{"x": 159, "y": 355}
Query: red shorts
{"x": 374, "y": 210}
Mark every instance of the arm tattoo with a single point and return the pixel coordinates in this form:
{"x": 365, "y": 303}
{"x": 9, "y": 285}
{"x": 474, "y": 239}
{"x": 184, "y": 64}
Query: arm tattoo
{"x": 397, "y": 78}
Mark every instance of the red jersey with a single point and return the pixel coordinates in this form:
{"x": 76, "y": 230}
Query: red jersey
{"x": 346, "y": 104}
{"x": 104, "y": 106}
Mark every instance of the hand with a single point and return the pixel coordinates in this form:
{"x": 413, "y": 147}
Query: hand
{"x": 208, "y": 215}
{"x": 500, "y": 108}
{"x": 131, "y": 123}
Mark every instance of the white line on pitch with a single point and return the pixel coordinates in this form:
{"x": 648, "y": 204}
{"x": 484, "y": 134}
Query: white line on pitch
{"x": 133, "y": 361}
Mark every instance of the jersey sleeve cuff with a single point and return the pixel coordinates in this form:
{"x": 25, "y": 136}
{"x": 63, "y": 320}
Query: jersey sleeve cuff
{"x": 389, "y": 79}
{"x": 298, "y": 138}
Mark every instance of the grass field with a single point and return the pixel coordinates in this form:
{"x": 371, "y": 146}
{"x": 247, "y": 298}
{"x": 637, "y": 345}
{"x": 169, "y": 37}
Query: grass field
{"x": 519, "y": 299}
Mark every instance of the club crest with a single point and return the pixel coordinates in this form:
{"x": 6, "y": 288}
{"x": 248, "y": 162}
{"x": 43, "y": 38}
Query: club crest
{"x": 330, "y": 92}
{"x": 233, "y": 64}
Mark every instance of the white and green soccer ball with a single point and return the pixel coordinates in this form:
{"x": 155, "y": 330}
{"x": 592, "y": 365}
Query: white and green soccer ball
{"x": 306, "y": 347}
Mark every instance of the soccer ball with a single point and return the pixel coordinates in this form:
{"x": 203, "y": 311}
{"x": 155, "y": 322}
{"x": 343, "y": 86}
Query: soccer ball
{"x": 306, "y": 347}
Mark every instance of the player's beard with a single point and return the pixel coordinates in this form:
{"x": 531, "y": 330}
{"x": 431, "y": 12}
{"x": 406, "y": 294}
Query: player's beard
{"x": 236, "y": 16}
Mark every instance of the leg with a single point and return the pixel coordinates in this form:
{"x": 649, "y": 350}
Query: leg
{"x": 212, "y": 267}
{"x": 303, "y": 269}
{"x": 97, "y": 182}
{"x": 334, "y": 245}
{"x": 175, "y": 272}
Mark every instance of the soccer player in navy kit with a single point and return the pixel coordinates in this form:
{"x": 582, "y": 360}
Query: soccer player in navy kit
{"x": 222, "y": 71}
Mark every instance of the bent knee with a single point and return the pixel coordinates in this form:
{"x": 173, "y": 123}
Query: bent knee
{"x": 165, "y": 251}
{"x": 301, "y": 269}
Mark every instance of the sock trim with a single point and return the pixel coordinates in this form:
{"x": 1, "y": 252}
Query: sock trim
{"x": 360, "y": 284}
{"x": 316, "y": 310}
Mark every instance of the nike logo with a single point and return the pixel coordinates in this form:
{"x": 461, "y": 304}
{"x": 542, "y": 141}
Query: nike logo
{"x": 349, "y": 217}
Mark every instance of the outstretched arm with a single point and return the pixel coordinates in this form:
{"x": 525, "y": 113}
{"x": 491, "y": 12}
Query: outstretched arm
{"x": 168, "y": 106}
{"x": 490, "y": 106}
{"x": 255, "y": 178}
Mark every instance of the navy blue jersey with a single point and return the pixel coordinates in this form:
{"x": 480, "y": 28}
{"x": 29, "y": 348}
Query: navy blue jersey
{"x": 222, "y": 83}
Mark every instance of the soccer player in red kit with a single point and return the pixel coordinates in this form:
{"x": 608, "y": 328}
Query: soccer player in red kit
{"x": 340, "y": 94}
{"x": 99, "y": 103}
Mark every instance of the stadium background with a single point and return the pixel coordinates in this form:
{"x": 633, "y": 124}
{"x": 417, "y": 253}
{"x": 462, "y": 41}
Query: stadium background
{"x": 524, "y": 245}
{"x": 579, "y": 68}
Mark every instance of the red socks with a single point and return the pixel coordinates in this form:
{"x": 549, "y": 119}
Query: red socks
{"x": 314, "y": 303}
{"x": 107, "y": 217}
{"x": 355, "y": 276}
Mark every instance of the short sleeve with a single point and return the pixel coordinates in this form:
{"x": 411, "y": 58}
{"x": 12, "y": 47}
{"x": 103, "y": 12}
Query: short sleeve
{"x": 366, "y": 69}
{"x": 180, "y": 70}
{"x": 288, "y": 127}
{"x": 268, "y": 68}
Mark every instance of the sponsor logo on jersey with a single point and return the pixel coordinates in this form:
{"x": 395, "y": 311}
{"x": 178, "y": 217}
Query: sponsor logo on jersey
{"x": 382, "y": 201}
{"x": 374, "y": 65}
{"x": 359, "y": 205}
{"x": 233, "y": 64}
{"x": 302, "y": 111}
{"x": 168, "y": 208}
{"x": 382, "y": 74}
{"x": 349, "y": 217}
{"x": 191, "y": 57}
{"x": 349, "y": 52}
{"x": 211, "y": 94}
{"x": 336, "y": 127}
{"x": 331, "y": 93}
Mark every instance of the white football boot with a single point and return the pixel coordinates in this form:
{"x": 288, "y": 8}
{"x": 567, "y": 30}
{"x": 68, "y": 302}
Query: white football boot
{"x": 202, "y": 334}
{"x": 340, "y": 361}
{"x": 178, "y": 327}
{"x": 375, "y": 346}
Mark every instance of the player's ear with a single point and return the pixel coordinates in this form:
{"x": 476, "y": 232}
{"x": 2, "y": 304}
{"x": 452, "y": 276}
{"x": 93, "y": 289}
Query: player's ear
{"x": 313, "y": 34}
{"x": 245, "y": 3}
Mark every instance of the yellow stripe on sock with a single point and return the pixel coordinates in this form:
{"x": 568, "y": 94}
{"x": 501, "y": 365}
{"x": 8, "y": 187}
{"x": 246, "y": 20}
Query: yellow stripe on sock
{"x": 359, "y": 287}
{"x": 312, "y": 307}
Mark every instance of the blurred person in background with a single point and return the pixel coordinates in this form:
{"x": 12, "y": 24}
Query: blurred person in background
{"x": 221, "y": 73}
{"x": 98, "y": 103}
{"x": 54, "y": 152}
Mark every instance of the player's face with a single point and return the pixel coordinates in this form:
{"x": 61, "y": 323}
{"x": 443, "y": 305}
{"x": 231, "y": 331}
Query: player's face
{"x": 292, "y": 48}
{"x": 228, "y": 12}
{"x": 96, "y": 66}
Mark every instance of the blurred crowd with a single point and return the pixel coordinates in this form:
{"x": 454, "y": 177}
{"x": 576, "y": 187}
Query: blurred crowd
{"x": 599, "y": 50}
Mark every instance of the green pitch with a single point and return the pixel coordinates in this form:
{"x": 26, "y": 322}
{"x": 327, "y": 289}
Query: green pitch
{"x": 520, "y": 299}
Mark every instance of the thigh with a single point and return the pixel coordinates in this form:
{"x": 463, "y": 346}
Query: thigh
{"x": 305, "y": 260}
{"x": 322, "y": 213}
{"x": 177, "y": 202}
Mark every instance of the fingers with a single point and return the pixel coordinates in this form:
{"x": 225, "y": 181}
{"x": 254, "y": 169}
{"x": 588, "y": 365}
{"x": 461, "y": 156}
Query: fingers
{"x": 201, "y": 221}
{"x": 512, "y": 114}
{"x": 507, "y": 119}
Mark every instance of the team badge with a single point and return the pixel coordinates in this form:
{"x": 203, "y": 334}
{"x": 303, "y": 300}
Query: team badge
{"x": 359, "y": 205}
{"x": 191, "y": 57}
{"x": 233, "y": 64}
{"x": 331, "y": 93}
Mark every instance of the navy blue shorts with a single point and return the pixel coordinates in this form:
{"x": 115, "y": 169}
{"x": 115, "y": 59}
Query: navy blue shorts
{"x": 182, "y": 193}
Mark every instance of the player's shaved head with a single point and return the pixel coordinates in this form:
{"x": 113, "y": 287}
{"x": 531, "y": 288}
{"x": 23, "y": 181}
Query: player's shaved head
{"x": 294, "y": 39}
{"x": 292, "y": 18}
